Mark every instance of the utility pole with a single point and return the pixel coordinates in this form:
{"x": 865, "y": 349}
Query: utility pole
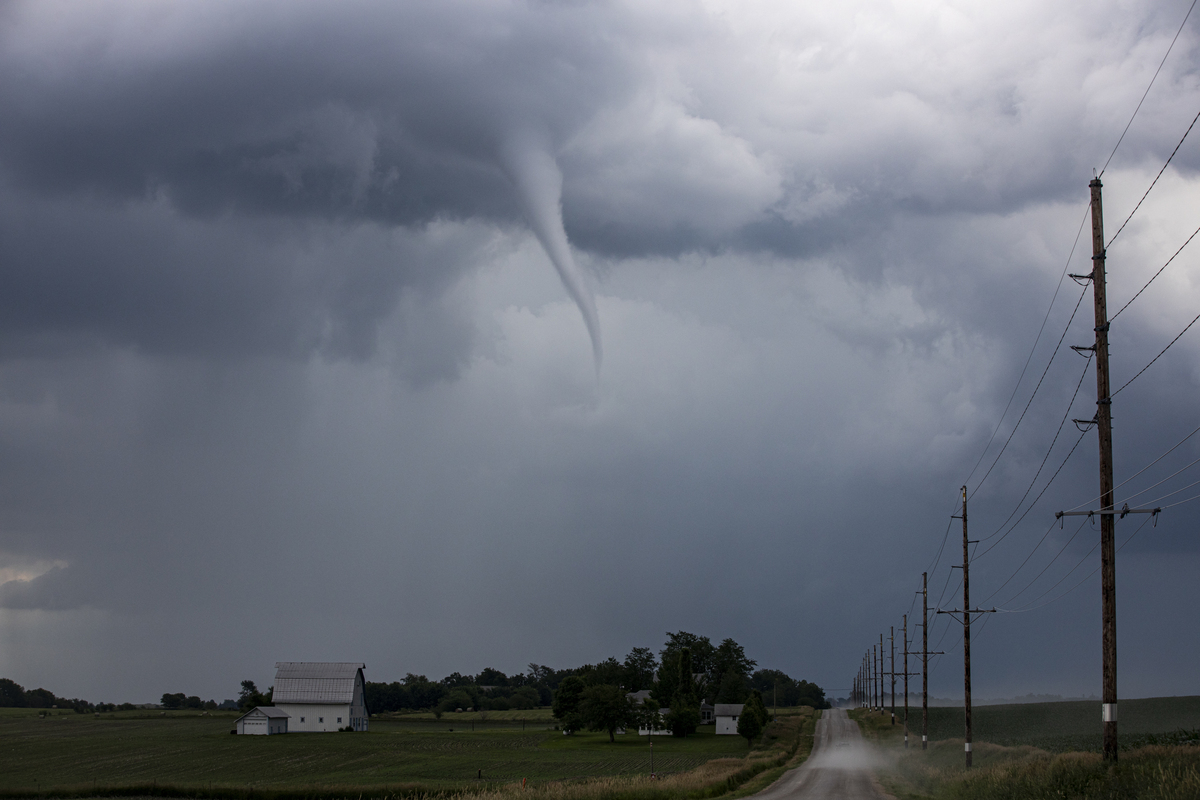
{"x": 966, "y": 612}
{"x": 925, "y": 654}
{"x": 881, "y": 698}
{"x": 892, "y": 672}
{"x": 1108, "y": 553}
{"x": 906, "y": 681}
{"x": 875, "y": 677}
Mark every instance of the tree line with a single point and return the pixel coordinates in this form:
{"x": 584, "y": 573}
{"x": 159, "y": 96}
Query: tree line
{"x": 14, "y": 695}
{"x": 720, "y": 673}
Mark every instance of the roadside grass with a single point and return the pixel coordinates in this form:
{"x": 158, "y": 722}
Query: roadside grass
{"x": 186, "y": 754}
{"x": 1026, "y": 773}
{"x": 1044, "y": 750}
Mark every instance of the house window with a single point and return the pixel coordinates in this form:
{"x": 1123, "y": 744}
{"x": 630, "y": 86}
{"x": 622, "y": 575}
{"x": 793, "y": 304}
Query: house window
{"x": 302, "y": 719}
{"x": 339, "y": 720}
{"x": 321, "y": 719}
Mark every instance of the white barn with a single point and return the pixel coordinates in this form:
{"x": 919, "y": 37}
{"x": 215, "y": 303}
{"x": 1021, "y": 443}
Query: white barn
{"x": 321, "y": 696}
{"x": 727, "y": 717}
{"x": 263, "y": 721}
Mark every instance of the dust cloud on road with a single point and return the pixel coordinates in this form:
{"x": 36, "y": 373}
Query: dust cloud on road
{"x": 841, "y": 766}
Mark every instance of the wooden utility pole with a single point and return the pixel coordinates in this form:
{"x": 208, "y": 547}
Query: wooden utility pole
{"x": 881, "y": 698}
{"x": 924, "y": 660}
{"x": 875, "y": 676}
{"x": 966, "y": 612}
{"x": 966, "y": 572}
{"x": 892, "y": 671}
{"x": 925, "y": 654}
{"x": 1108, "y": 554}
{"x": 906, "y": 681}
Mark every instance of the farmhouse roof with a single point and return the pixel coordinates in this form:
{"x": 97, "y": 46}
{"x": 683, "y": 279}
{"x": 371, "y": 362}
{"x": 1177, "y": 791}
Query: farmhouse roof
{"x": 728, "y": 709}
{"x": 316, "y": 682}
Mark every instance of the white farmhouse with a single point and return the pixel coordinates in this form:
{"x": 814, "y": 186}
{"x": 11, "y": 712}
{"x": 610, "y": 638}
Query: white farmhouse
{"x": 263, "y": 721}
{"x": 321, "y": 696}
{"x": 727, "y": 717}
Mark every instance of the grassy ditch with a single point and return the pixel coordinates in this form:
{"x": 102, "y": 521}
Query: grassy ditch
{"x": 1026, "y": 773}
{"x": 195, "y": 757}
{"x": 1035, "y": 758}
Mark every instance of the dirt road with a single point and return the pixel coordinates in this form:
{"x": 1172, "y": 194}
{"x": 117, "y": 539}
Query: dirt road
{"x": 840, "y": 766}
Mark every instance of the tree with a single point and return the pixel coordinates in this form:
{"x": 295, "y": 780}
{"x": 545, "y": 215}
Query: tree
{"x": 605, "y": 708}
{"x": 701, "y": 650}
{"x": 175, "y": 700}
{"x": 756, "y": 706}
{"x": 729, "y": 656}
{"x": 248, "y": 697}
{"x": 491, "y": 677}
{"x": 733, "y": 688}
{"x": 639, "y": 669}
{"x": 685, "y": 705}
{"x": 12, "y": 694}
{"x": 646, "y": 715}
{"x": 749, "y": 725}
{"x": 566, "y": 703}
{"x": 525, "y": 698}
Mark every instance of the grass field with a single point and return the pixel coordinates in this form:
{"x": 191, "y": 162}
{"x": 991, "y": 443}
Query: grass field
{"x": 1046, "y": 750}
{"x": 1064, "y": 727}
{"x": 186, "y": 749}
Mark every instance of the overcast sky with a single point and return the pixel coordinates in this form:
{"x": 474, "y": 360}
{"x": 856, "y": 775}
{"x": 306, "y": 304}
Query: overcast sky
{"x": 445, "y": 335}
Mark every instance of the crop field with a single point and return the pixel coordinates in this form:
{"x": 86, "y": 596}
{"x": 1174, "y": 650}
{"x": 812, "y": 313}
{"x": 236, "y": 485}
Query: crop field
{"x": 1061, "y": 727}
{"x": 68, "y": 750}
{"x": 1066, "y": 726}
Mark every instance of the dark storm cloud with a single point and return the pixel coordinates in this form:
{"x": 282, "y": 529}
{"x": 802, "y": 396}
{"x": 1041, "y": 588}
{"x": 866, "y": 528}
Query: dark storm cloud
{"x": 270, "y": 306}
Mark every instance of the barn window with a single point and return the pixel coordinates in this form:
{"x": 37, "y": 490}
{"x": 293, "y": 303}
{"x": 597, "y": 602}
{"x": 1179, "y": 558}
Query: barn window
{"x": 339, "y": 720}
{"x": 320, "y": 719}
{"x": 302, "y": 719}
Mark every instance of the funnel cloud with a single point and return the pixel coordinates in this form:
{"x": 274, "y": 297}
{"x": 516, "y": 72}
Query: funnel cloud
{"x": 538, "y": 182}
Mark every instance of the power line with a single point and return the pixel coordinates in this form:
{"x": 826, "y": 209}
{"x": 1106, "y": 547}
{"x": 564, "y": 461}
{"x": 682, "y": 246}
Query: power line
{"x": 1177, "y": 491}
{"x": 1042, "y": 492}
{"x": 1013, "y": 432}
{"x": 1156, "y": 177}
{"x": 1174, "y": 447}
{"x": 1145, "y": 93}
{"x": 1155, "y": 275}
{"x": 1050, "y": 563}
{"x": 1181, "y": 502}
{"x": 1157, "y": 357}
{"x": 1076, "y": 586}
{"x": 1032, "y": 350}
{"x": 1160, "y": 483}
{"x": 1042, "y": 466}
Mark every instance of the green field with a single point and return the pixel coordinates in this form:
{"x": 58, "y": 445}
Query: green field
{"x": 192, "y": 750}
{"x": 1066, "y": 726}
{"x": 1046, "y": 750}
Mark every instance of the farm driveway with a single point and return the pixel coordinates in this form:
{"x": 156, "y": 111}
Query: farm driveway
{"x": 840, "y": 766}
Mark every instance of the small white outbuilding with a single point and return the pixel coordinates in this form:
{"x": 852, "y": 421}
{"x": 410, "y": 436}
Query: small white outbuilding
{"x": 727, "y": 715}
{"x": 263, "y": 721}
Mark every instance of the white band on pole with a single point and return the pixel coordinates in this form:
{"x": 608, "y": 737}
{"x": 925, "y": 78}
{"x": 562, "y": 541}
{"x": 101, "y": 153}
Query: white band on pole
{"x": 924, "y": 738}
{"x": 968, "y": 747}
{"x": 1108, "y": 712}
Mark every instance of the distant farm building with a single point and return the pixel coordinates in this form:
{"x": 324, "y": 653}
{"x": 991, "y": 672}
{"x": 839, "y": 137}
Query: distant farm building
{"x": 263, "y": 721}
{"x": 321, "y": 696}
{"x": 727, "y": 717}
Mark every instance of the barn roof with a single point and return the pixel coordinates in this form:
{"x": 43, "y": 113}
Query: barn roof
{"x": 315, "y": 681}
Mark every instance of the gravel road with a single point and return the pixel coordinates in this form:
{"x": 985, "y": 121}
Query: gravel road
{"x": 841, "y": 766}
